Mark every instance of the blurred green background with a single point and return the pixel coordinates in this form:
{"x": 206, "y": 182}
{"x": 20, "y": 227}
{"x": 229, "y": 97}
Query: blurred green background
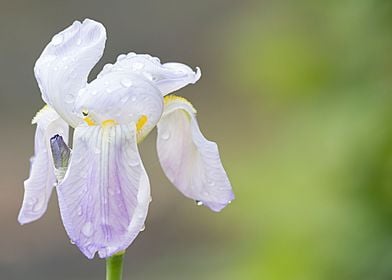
{"x": 296, "y": 93}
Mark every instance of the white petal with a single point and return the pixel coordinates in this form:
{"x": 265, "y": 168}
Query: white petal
{"x": 38, "y": 187}
{"x": 63, "y": 67}
{"x": 168, "y": 77}
{"x": 105, "y": 194}
{"x": 121, "y": 97}
{"x": 189, "y": 160}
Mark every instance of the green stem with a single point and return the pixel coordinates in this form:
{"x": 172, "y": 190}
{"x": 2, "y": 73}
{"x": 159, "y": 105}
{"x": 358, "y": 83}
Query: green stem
{"x": 114, "y": 266}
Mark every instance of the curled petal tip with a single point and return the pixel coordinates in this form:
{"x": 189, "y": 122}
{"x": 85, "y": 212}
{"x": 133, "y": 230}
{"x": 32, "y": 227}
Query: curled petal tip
{"x": 197, "y": 75}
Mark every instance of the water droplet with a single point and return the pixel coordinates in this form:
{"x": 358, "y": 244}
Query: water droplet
{"x": 69, "y": 98}
{"x": 126, "y": 82}
{"x": 211, "y": 183}
{"x": 150, "y": 198}
{"x": 199, "y": 203}
{"x": 32, "y": 201}
{"x": 79, "y": 41}
{"x": 80, "y": 211}
{"x": 229, "y": 202}
{"x": 130, "y": 54}
{"x": 57, "y": 39}
{"x": 137, "y": 66}
{"x": 121, "y": 57}
{"x": 133, "y": 98}
{"x": 134, "y": 162}
{"x": 72, "y": 242}
{"x": 124, "y": 99}
{"x": 94, "y": 92}
{"x": 165, "y": 135}
{"x": 87, "y": 229}
{"x": 143, "y": 228}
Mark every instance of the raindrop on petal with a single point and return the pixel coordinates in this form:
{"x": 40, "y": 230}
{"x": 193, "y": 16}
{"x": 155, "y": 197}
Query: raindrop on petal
{"x": 121, "y": 57}
{"x": 69, "y": 98}
{"x": 165, "y": 135}
{"x": 87, "y": 229}
{"x": 124, "y": 99}
{"x": 143, "y": 228}
{"x": 137, "y": 66}
{"x": 199, "y": 203}
{"x": 126, "y": 82}
{"x": 80, "y": 211}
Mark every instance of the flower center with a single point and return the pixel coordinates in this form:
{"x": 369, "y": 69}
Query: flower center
{"x": 141, "y": 122}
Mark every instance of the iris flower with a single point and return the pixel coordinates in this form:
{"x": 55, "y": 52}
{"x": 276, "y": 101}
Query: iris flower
{"x": 104, "y": 193}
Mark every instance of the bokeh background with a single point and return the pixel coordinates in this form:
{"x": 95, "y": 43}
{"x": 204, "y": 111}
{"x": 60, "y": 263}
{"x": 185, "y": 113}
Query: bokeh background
{"x": 296, "y": 93}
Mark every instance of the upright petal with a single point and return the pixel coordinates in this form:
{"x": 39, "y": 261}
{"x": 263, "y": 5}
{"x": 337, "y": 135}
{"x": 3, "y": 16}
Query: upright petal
{"x": 168, "y": 77}
{"x": 124, "y": 98}
{"x": 39, "y": 185}
{"x": 63, "y": 67}
{"x": 189, "y": 160}
{"x": 105, "y": 194}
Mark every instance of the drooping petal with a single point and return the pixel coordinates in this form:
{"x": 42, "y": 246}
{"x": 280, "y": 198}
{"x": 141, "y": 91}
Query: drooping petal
{"x": 168, "y": 77}
{"x": 124, "y": 98}
{"x": 189, "y": 160}
{"x": 105, "y": 193}
{"x": 63, "y": 67}
{"x": 39, "y": 185}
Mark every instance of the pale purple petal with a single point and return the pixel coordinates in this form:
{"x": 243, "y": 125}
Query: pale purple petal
{"x": 63, "y": 67}
{"x": 105, "y": 194}
{"x": 168, "y": 77}
{"x": 39, "y": 185}
{"x": 189, "y": 160}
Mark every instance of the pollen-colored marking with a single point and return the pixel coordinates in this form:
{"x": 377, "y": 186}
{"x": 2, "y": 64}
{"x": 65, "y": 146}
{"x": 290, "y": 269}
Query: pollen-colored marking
{"x": 141, "y": 122}
{"x": 108, "y": 123}
{"x": 169, "y": 99}
{"x": 89, "y": 121}
{"x": 36, "y": 117}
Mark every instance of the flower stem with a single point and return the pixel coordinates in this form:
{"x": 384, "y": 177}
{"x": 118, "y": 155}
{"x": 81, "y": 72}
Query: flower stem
{"x": 114, "y": 266}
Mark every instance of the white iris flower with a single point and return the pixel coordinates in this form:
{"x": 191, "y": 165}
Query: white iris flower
{"x": 105, "y": 193}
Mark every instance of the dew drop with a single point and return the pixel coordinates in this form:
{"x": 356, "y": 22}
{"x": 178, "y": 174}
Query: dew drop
{"x": 69, "y": 98}
{"x": 80, "y": 211}
{"x": 211, "y": 183}
{"x": 32, "y": 201}
{"x": 134, "y": 162}
{"x": 137, "y": 66}
{"x": 126, "y": 82}
{"x": 229, "y": 202}
{"x": 150, "y": 198}
{"x": 57, "y": 39}
{"x": 121, "y": 57}
{"x": 165, "y": 135}
{"x": 124, "y": 99}
{"x": 143, "y": 228}
{"x": 199, "y": 203}
{"x": 72, "y": 242}
{"x": 87, "y": 229}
